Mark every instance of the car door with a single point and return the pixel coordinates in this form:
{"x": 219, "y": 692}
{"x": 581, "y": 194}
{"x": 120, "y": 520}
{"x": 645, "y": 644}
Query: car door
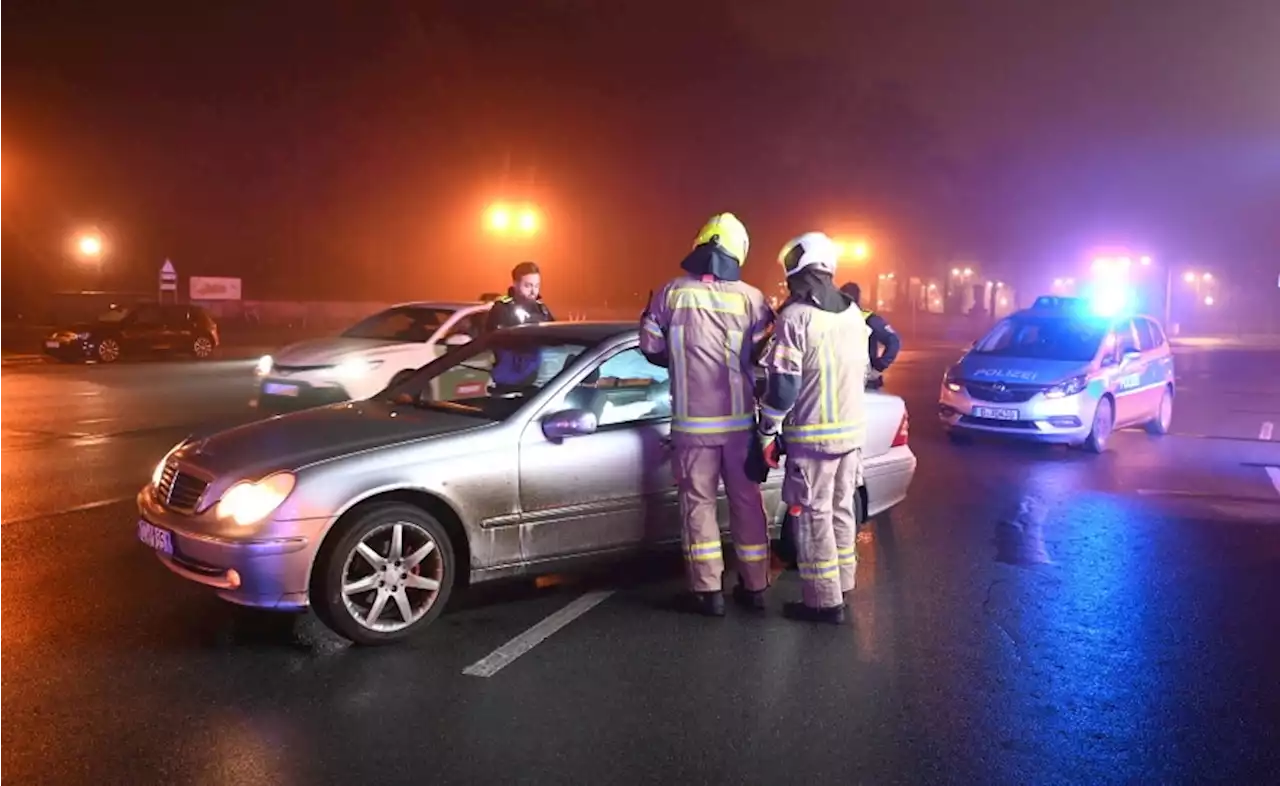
{"x": 1127, "y": 374}
{"x": 179, "y": 328}
{"x": 143, "y": 330}
{"x": 1157, "y": 369}
{"x": 610, "y": 489}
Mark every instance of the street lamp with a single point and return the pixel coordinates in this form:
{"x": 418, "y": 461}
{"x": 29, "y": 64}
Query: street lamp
{"x": 502, "y": 219}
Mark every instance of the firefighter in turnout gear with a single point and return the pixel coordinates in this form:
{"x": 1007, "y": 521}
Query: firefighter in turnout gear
{"x": 884, "y": 344}
{"x": 705, "y": 327}
{"x": 815, "y": 402}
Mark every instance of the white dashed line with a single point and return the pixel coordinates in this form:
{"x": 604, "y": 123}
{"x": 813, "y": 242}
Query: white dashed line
{"x": 1267, "y": 429}
{"x": 102, "y": 503}
{"x": 503, "y": 656}
{"x": 1274, "y": 474}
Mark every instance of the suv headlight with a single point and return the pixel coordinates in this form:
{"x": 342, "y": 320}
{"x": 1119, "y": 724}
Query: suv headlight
{"x": 248, "y": 502}
{"x": 951, "y": 380}
{"x": 1068, "y": 387}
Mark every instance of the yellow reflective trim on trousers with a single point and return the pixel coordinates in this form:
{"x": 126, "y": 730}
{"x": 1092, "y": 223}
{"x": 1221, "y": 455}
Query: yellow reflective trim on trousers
{"x": 699, "y": 299}
{"x": 752, "y": 553}
{"x": 713, "y": 425}
{"x": 679, "y": 372}
{"x": 847, "y": 556}
{"x": 845, "y": 551}
{"x": 733, "y": 362}
{"x": 818, "y": 574}
{"x": 705, "y": 551}
{"x": 826, "y": 563}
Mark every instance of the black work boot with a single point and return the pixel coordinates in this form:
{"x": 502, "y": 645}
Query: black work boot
{"x": 706, "y": 604}
{"x": 752, "y": 600}
{"x": 832, "y": 615}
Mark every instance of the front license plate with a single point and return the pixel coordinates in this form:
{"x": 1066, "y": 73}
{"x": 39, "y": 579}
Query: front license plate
{"x": 159, "y": 539}
{"x": 992, "y": 413}
{"x": 52, "y": 344}
{"x": 277, "y": 389}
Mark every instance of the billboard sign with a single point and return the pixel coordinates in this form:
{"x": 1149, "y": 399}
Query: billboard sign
{"x": 214, "y": 288}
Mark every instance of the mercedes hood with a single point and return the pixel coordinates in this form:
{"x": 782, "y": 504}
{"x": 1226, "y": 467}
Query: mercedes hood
{"x": 289, "y": 442}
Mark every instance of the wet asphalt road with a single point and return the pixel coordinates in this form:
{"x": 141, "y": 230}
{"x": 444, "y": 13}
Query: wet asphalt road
{"x": 1029, "y": 615}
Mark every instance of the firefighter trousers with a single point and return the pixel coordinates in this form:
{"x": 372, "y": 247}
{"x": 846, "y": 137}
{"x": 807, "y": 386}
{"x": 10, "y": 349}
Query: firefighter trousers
{"x": 699, "y": 470}
{"x": 819, "y": 492}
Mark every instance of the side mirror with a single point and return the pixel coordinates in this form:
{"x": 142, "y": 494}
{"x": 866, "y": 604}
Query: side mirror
{"x": 457, "y": 340}
{"x": 1130, "y": 356}
{"x": 569, "y": 423}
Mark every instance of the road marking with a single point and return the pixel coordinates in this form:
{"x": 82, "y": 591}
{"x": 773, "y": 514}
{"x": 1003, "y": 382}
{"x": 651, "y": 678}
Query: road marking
{"x": 1265, "y": 432}
{"x": 503, "y": 656}
{"x": 102, "y": 503}
{"x": 1274, "y": 474}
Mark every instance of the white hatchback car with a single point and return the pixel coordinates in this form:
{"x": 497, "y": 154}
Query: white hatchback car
{"x": 378, "y": 351}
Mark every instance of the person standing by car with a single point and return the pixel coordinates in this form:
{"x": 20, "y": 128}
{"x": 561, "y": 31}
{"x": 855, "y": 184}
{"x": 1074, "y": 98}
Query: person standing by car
{"x": 522, "y": 305}
{"x": 815, "y": 400}
{"x": 704, "y": 326}
{"x": 884, "y": 344}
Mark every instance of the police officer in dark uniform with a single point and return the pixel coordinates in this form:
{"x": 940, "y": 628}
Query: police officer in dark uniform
{"x": 882, "y": 336}
{"x": 522, "y": 305}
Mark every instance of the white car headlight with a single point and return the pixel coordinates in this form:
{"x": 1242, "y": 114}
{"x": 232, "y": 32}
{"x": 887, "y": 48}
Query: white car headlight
{"x": 265, "y": 364}
{"x": 355, "y": 368}
{"x": 248, "y": 502}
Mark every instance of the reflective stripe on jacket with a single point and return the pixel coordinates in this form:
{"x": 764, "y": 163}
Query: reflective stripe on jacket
{"x": 824, "y": 350}
{"x": 708, "y": 329}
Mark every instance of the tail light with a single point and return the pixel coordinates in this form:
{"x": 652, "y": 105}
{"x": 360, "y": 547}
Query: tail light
{"x": 904, "y": 429}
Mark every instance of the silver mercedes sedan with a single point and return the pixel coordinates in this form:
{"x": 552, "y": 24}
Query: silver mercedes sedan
{"x": 525, "y": 452}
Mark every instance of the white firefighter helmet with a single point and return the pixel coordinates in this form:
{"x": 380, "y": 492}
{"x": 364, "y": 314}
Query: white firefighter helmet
{"x": 810, "y": 250}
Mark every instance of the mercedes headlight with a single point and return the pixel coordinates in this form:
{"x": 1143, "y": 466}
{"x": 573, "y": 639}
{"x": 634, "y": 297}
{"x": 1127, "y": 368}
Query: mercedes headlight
{"x": 248, "y": 502}
{"x": 265, "y": 364}
{"x": 83, "y": 336}
{"x": 1069, "y": 387}
{"x": 355, "y": 368}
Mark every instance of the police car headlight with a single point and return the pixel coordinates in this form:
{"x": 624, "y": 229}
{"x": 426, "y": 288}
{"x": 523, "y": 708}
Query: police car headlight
{"x": 951, "y": 380}
{"x": 1068, "y": 388}
{"x": 265, "y": 364}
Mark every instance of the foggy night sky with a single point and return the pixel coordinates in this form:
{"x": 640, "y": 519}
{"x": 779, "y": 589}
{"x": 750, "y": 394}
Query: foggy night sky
{"x": 346, "y": 149}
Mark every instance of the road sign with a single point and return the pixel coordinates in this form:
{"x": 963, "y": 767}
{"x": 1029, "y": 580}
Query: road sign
{"x": 168, "y": 277}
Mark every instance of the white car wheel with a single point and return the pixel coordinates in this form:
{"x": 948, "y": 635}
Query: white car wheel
{"x": 1160, "y": 424}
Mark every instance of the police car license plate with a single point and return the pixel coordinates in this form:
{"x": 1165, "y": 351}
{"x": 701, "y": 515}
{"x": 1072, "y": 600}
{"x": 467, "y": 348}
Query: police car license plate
{"x": 276, "y": 389}
{"x": 159, "y": 539}
{"x": 992, "y": 413}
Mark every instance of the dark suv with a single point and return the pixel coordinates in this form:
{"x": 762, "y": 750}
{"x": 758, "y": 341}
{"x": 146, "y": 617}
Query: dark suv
{"x": 133, "y": 331}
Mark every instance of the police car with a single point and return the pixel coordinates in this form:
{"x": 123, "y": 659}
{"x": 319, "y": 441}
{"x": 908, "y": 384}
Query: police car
{"x": 1060, "y": 372}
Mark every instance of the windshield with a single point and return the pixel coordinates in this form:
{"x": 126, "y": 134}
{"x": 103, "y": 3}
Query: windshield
{"x": 116, "y": 314}
{"x": 491, "y": 378}
{"x": 1044, "y": 338}
{"x": 402, "y": 323}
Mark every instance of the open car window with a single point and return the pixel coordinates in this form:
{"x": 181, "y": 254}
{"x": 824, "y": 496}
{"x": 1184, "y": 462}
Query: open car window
{"x": 491, "y": 378}
{"x": 624, "y": 388}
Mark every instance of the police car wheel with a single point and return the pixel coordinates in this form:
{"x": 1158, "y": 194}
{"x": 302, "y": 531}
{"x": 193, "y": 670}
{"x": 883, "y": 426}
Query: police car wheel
{"x": 1159, "y": 425}
{"x": 1103, "y": 422}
